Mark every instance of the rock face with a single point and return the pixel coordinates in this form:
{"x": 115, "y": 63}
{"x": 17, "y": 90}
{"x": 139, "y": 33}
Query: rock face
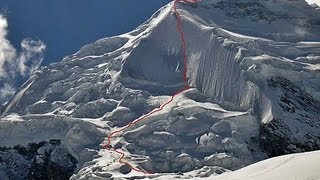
{"x": 45, "y": 160}
{"x": 296, "y": 128}
{"x": 253, "y": 68}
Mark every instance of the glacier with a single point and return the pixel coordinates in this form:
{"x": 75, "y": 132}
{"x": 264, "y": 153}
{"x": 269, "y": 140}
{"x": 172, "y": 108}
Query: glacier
{"x": 253, "y": 68}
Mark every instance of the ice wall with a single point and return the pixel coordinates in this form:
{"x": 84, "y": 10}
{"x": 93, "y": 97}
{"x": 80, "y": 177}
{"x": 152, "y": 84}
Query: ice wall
{"x": 212, "y": 66}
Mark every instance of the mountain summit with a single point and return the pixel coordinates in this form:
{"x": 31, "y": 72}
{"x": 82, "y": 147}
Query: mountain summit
{"x": 253, "y": 70}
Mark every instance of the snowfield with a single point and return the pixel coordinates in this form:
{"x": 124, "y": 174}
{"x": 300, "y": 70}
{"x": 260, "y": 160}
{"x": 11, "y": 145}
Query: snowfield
{"x": 296, "y": 166}
{"x": 253, "y": 69}
{"x": 302, "y": 166}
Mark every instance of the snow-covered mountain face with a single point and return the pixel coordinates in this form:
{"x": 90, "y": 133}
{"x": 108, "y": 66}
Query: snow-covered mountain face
{"x": 253, "y": 68}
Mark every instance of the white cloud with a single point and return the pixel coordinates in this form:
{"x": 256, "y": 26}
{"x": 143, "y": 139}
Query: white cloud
{"x": 7, "y": 90}
{"x": 15, "y": 64}
{"x": 31, "y": 56}
{"x": 314, "y": 1}
{"x": 7, "y": 51}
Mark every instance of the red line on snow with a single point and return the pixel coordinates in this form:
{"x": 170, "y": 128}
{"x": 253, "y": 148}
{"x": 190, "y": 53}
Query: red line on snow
{"x": 183, "y": 42}
{"x": 108, "y": 146}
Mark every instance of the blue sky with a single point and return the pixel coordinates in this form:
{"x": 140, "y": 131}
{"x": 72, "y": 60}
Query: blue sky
{"x": 44, "y": 31}
{"x": 66, "y": 25}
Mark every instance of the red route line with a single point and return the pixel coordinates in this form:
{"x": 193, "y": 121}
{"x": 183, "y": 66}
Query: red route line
{"x": 183, "y": 42}
{"x": 108, "y": 146}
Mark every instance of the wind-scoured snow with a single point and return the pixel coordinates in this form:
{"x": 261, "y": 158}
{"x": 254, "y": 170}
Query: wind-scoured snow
{"x": 253, "y": 69}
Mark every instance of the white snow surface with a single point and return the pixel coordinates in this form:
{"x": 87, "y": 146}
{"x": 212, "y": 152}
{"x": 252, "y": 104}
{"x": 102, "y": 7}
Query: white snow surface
{"x": 303, "y": 166}
{"x": 253, "y": 67}
{"x": 296, "y": 166}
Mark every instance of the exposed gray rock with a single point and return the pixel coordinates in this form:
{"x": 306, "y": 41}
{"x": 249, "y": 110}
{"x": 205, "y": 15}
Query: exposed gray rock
{"x": 223, "y": 160}
{"x": 46, "y": 160}
{"x": 296, "y": 128}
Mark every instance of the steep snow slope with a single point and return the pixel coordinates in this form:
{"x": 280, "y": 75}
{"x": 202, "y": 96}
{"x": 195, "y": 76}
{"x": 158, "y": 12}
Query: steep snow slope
{"x": 254, "y": 92}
